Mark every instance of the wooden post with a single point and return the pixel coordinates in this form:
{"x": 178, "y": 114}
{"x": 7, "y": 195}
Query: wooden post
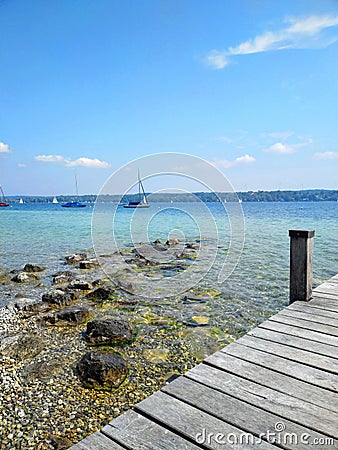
{"x": 301, "y": 251}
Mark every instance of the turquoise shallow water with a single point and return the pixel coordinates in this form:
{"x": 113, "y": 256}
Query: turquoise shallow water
{"x": 45, "y": 233}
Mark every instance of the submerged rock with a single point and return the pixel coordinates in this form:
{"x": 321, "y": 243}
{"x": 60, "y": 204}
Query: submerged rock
{"x": 4, "y": 277}
{"x": 89, "y": 264}
{"x": 172, "y": 241}
{"x": 102, "y": 370}
{"x": 80, "y": 285}
{"x": 108, "y": 331}
{"x": 101, "y": 293}
{"x": 30, "y": 305}
{"x": 23, "y": 277}
{"x": 43, "y": 370}
{"x": 22, "y": 345}
{"x": 156, "y": 355}
{"x": 127, "y": 285}
{"x": 75, "y": 258}
{"x": 58, "y": 297}
{"x": 63, "y": 277}
{"x": 192, "y": 245}
{"x": 33, "y": 268}
{"x": 71, "y": 316}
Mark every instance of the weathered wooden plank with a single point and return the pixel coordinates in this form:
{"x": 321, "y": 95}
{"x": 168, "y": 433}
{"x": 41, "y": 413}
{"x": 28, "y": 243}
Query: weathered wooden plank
{"x": 305, "y": 315}
{"x": 329, "y": 297}
{"x": 309, "y": 309}
{"x": 97, "y": 441}
{"x": 293, "y": 341}
{"x": 138, "y": 433}
{"x": 301, "y": 356}
{"x": 334, "y": 279}
{"x": 329, "y": 286}
{"x": 322, "y": 301}
{"x": 242, "y": 415}
{"x": 307, "y": 324}
{"x": 191, "y": 422}
{"x": 279, "y": 364}
{"x": 278, "y": 381}
{"x": 300, "y": 332}
{"x": 327, "y": 292}
{"x": 295, "y": 409}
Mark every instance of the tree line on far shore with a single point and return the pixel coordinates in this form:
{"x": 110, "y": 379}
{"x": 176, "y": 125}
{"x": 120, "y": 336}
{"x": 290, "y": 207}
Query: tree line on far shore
{"x": 311, "y": 195}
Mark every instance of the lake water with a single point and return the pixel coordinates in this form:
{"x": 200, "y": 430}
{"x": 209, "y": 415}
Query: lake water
{"x": 45, "y": 233}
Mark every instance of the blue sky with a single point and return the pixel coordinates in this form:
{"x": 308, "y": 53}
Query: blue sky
{"x": 249, "y": 85}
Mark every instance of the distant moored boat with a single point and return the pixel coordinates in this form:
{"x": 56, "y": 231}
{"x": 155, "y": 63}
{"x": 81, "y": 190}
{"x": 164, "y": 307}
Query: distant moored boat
{"x": 3, "y": 202}
{"x": 74, "y": 204}
{"x": 142, "y": 202}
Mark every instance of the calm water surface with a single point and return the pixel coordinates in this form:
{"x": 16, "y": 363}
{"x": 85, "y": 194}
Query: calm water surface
{"x": 45, "y": 233}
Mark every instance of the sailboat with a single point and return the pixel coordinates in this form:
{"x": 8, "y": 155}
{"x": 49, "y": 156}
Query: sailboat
{"x": 3, "y": 199}
{"x": 21, "y": 201}
{"x": 55, "y": 200}
{"x": 142, "y": 202}
{"x": 74, "y": 204}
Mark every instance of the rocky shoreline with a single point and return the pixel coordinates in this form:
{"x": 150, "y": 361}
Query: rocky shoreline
{"x": 78, "y": 347}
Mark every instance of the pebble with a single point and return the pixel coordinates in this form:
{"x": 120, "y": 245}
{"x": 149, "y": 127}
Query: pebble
{"x": 34, "y": 410}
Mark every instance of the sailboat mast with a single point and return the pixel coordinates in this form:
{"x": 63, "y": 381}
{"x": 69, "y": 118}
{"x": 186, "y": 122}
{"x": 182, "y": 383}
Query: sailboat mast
{"x": 139, "y": 184}
{"x": 2, "y": 194}
{"x": 140, "y": 187}
{"x": 76, "y": 187}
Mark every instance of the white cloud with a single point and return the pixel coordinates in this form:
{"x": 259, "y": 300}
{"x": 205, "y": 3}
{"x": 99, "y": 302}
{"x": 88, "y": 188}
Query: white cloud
{"x": 83, "y": 161}
{"x": 280, "y": 147}
{"x": 87, "y": 162}
{"x": 309, "y": 32}
{"x": 326, "y": 155}
{"x": 216, "y": 59}
{"x": 225, "y": 139}
{"x": 284, "y": 148}
{"x": 21, "y": 165}
{"x": 226, "y": 164}
{"x": 49, "y": 158}
{"x": 281, "y": 135}
{"x": 4, "y": 148}
{"x": 245, "y": 159}
{"x": 312, "y": 24}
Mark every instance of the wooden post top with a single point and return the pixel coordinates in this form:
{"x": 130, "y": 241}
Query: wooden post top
{"x": 302, "y": 233}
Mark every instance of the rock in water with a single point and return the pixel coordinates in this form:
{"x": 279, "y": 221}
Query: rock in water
{"x": 4, "y": 277}
{"x": 30, "y": 305}
{"x": 172, "y": 241}
{"x": 100, "y": 370}
{"x": 33, "y": 268}
{"x": 62, "y": 277}
{"x": 75, "y": 258}
{"x": 21, "y": 346}
{"x": 58, "y": 297}
{"x": 71, "y": 316}
{"x": 23, "y": 277}
{"x": 89, "y": 264}
{"x": 101, "y": 293}
{"x": 108, "y": 331}
{"x": 80, "y": 285}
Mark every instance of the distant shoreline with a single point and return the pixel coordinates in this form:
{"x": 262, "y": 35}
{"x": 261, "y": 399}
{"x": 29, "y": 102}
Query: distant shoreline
{"x": 308, "y": 195}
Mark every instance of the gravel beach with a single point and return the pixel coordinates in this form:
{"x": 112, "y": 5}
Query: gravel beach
{"x": 43, "y": 403}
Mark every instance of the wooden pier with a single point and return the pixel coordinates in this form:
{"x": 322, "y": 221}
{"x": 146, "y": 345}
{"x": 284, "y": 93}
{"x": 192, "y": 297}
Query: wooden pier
{"x": 276, "y": 387}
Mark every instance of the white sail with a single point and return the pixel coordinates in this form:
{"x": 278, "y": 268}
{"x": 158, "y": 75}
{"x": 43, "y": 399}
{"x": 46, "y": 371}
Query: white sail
{"x": 55, "y": 200}
{"x": 21, "y": 201}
